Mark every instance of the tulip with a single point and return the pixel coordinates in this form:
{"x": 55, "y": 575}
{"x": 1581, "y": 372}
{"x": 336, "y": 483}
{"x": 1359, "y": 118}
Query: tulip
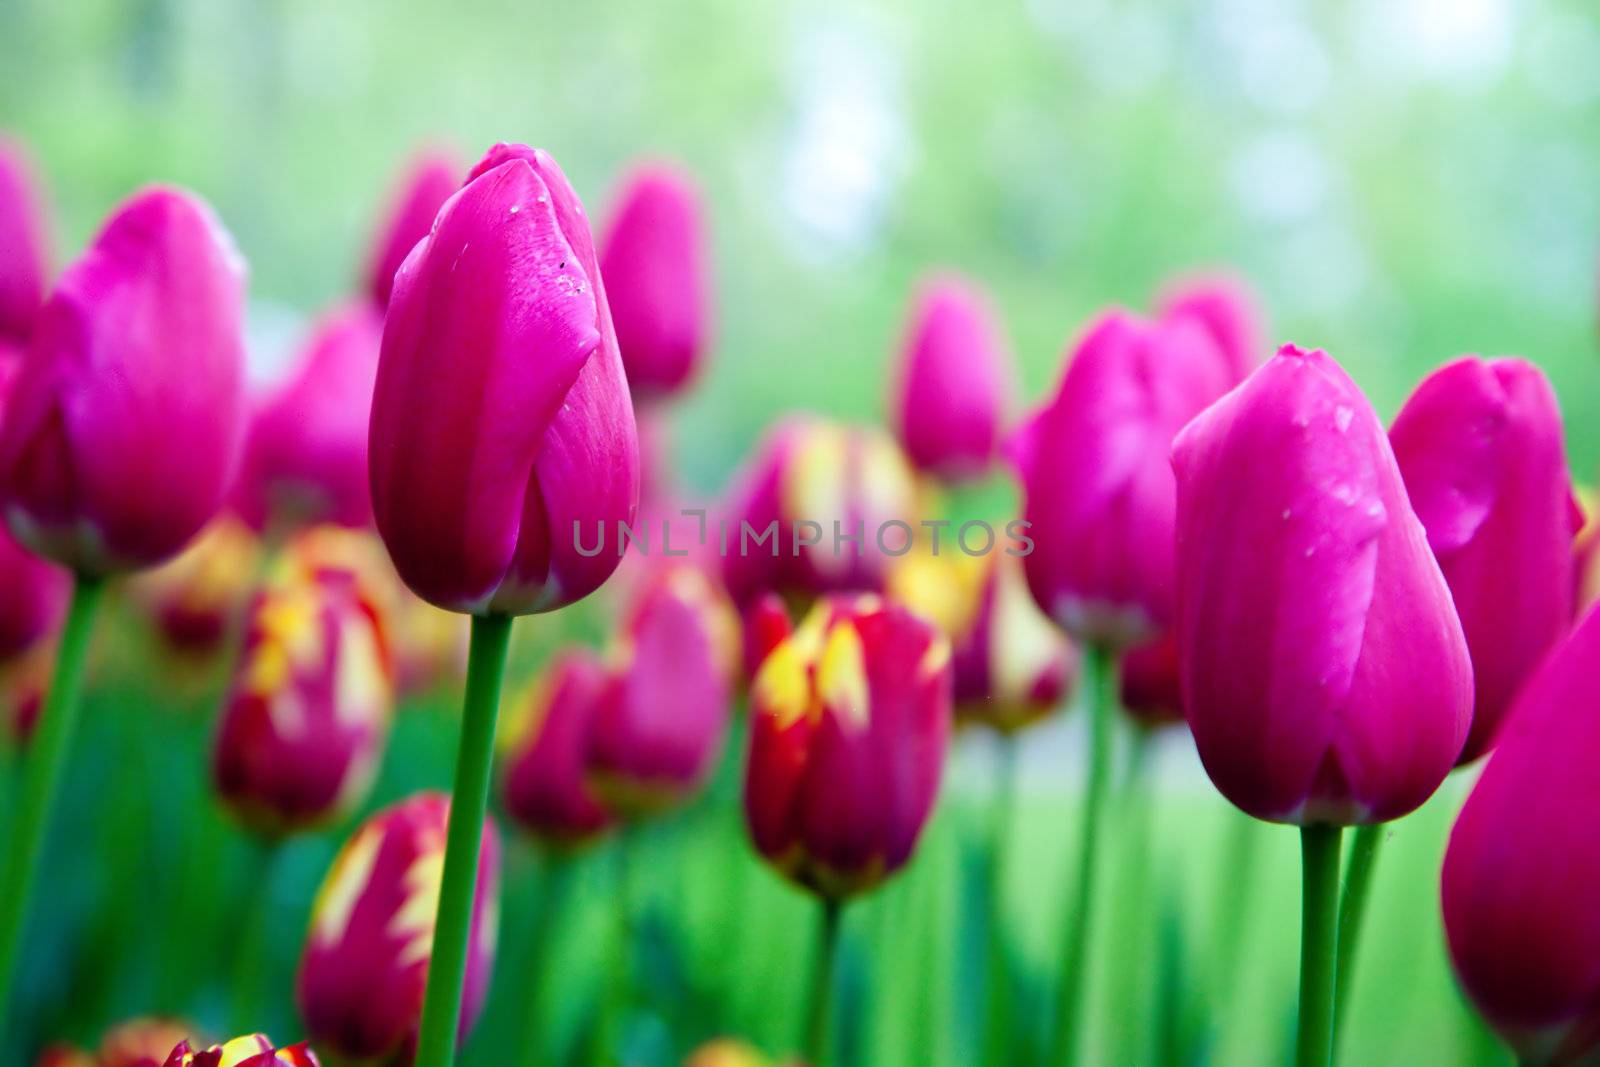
{"x": 366, "y": 960}
{"x": 546, "y": 745}
{"x": 257, "y": 1050}
{"x": 806, "y": 514}
{"x": 1325, "y": 672}
{"x": 305, "y": 458}
{"x": 308, "y": 711}
{"x": 196, "y": 598}
{"x": 140, "y": 1043}
{"x": 663, "y": 715}
{"x": 1152, "y": 689}
{"x": 23, "y": 247}
{"x": 953, "y": 381}
{"x": 765, "y": 624}
{"x": 33, "y": 594}
{"x": 653, "y": 257}
{"x": 426, "y": 185}
{"x": 1230, "y": 312}
{"x": 1480, "y": 447}
{"x": 1521, "y": 870}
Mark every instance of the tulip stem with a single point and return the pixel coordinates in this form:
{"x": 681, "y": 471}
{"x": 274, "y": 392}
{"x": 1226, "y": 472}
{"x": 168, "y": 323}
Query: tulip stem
{"x": 41, "y": 776}
{"x": 1319, "y": 924}
{"x": 441, "y": 1007}
{"x": 997, "y": 1033}
{"x": 1352, "y": 908}
{"x": 1100, "y": 684}
{"x": 818, "y": 1036}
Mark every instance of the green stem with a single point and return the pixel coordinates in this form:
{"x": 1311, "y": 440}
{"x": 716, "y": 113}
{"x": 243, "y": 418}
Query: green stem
{"x": 41, "y": 776}
{"x": 818, "y": 1045}
{"x": 1319, "y": 921}
{"x": 1100, "y": 681}
{"x": 997, "y": 1032}
{"x": 557, "y": 881}
{"x": 1136, "y": 936}
{"x": 1352, "y": 909}
{"x": 441, "y": 1007}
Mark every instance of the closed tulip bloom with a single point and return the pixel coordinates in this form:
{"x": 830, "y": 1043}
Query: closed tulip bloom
{"x": 1325, "y": 674}
{"x": 1097, "y": 480}
{"x": 545, "y": 743}
{"x": 23, "y": 247}
{"x": 305, "y": 457}
{"x": 120, "y": 437}
{"x": 501, "y": 423}
{"x": 664, "y": 713}
{"x": 427, "y": 183}
{"x": 1152, "y": 685}
{"x": 953, "y": 381}
{"x": 850, "y": 718}
{"x": 256, "y": 1050}
{"x": 1480, "y": 447}
{"x": 1230, "y": 312}
{"x": 365, "y": 965}
{"x": 198, "y": 597}
{"x": 653, "y": 256}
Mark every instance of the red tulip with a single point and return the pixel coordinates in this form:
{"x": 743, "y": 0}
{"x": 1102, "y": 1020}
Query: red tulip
{"x": 1479, "y": 444}
{"x": 654, "y": 260}
{"x": 257, "y": 1050}
{"x": 428, "y": 182}
{"x": 1229, "y": 311}
{"x": 198, "y": 597}
{"x": 366, "y": 958}
{"x": 501, "y": 424}
{"x": 121, "y": 432}
{"x": 546, "y": 745}
{"x": 1325, "y": 674}
{"x": 23, "y": 247}
{"x": 849, "y": 722}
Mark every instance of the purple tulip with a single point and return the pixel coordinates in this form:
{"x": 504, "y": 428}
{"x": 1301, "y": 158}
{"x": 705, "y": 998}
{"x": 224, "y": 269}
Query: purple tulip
{"x": 1479, "y": 444}
{"x": 653, "y": 257}
{"x": 1095, "y": 471}
{"x": 1522, "y": 871}
{"x": 23, "y": 248}
{"x": 365, "y": 965}
{"x": 501, "y": 424}
{"x": 123, "y": 426}
{"x": 953, "y": 382}
{"x": 1228, "y": 310}
{"x": 427, "y": 183}
{"x": 546, "y": 742}
{"x": 1325, "y": 674}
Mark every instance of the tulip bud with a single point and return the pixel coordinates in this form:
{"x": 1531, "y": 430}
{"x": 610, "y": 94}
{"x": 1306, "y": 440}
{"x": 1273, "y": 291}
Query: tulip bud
{"x": 1095, "y": 472}
{"x": 365, "y": 966}
{"x": 849, "y": 722}
{"x": 197, "y": 597}
{"x": 23, "y": 247}
{"x": 1479, "y": 445}
{"x": 140, "y": 1043}
{"x": 663, "y": 715}
{"x": 256, "y": 1050}
{"x": 545, "y": 741}
{"x": 1521, "y": 871}
{"x": 805, "y": 516}
{"x": 305, "y": 457}
{"x": 1325, "y": 674}
{"x": 1152, "y": 686}
{"x": 1229, "y": 310}
{"x": 953, "y": 381}
{"x": 653, "y": 257}
{"x": 119, "y": 440}
{"x": 501, "y": 424}
{"x": 427, "y": 184}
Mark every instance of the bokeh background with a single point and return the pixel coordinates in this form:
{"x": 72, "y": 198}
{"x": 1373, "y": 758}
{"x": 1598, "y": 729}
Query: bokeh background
{"x": 1403, "y": 181}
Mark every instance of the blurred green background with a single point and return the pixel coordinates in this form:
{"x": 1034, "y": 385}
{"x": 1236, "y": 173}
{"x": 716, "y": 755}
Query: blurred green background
{"x": 1403, "y": 180}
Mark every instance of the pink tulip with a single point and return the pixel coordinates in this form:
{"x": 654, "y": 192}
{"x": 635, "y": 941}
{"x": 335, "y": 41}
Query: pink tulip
{"x": 305, "y": 457}
{"x": 365, "y": 965}
{"x": 428, "y": 182}
{"x": 33, "y": 592}
{"x": 123, "y": 426}
{"x": 1479, "y": 444}
{"x": 953, "y": 382}
{"x": 1095, "y": 472}
{"x": 1230, "y": 312}
{"x": 23, "y": 247}
{"x": 1522, "y": 871}
{"x": 1152, "y": 686}
{"x": 546, "y": 741}
{"x": 850, "y": 718}
{"x": 501, "y": 424}
{"x": 654, "y": 260}
{"x": 1325, "y": 673}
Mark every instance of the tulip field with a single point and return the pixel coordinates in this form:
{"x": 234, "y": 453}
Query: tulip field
{"x": 813, "y": 536}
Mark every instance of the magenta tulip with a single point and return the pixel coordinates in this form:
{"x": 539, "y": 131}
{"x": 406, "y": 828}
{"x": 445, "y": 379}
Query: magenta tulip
{"x": 1095, "y": 471}
{"x": 366, "y": 957}
{"x": 23, "y": 248}
{"x": 428, "y": 182}
{"x": 1228, "y": 310}
{"x": 1325, "y": 673}
{"x": 255, "y": 1050}
{"x": 501, "y": 424}
{"x": 546, "y": 742}
{"x": 120, "y": 437}
{"x": 850, "y": 718}
{"x": 953, "y": 382}
{"x": 1479, "y": 444}
{"x": 1152, "y": 686}
{"x": 305, "y": 457}
{"x": 654, "y": 259}
{"x": 33, "y": 592}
